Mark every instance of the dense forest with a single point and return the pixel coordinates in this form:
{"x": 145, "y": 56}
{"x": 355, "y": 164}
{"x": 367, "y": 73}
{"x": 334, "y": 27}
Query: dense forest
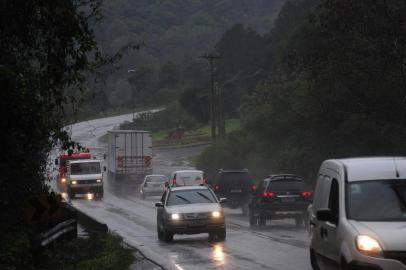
{"x": 172, "y": 34}
{"x": 331, "y": 84}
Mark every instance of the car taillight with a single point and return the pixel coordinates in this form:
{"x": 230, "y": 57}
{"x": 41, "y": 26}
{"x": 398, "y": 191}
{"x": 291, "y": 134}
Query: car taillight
{"x": 216, "y": 187}
{"x": 253, "y": 187}
{"x": 267, "y": 194}
{"x": 306, "y": 194}
{"x": 174, "y": 181}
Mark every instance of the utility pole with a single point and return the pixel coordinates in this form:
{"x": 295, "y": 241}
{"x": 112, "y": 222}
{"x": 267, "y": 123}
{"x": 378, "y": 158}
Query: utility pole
{"x": 213, "y": 97}
{"x": 132, "y": 94}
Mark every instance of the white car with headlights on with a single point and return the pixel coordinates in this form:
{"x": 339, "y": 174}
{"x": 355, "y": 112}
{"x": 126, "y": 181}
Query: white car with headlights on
{"x": 358, "y": 218}
{"x": 153, "y": 185}
{"x": 190, "y": 210}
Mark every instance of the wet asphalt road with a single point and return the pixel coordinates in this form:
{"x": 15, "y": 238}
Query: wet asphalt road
{"x": 279, "y": 245}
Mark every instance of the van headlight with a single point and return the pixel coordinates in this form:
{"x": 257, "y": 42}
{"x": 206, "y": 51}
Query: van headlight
{"x": 175, "y": 216}
{"x": 216, "y": 214}
{"x": 368, "y": 245}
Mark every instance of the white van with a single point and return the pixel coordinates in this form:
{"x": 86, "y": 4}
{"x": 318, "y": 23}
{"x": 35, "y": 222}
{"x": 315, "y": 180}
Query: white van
{"x": 358, "y": 217}
{"x": 187, "y": 178}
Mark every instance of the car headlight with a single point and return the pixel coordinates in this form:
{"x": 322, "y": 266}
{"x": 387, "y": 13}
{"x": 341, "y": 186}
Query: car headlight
{"x": 175, "y": 216}
{"x": 63, "y": 180}
{"x": 98, "y": 180}
{"x": 216, "y": 214}
{"x": 74, "y": 182}
{"x": 368, "y": 245}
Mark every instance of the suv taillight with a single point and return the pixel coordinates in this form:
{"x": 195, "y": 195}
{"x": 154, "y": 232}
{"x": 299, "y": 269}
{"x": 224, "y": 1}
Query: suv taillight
{"x": 306, "y": 194}
{"x": 267, "y": 194}
{"x": 253, "y": 187}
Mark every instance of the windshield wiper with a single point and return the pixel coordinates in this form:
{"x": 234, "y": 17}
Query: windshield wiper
{"x": 183, "y": 198}
{"x": 399, "y": 195}
{"x": 204, "y": 196}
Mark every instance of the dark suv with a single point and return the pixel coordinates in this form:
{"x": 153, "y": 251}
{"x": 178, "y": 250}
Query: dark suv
{"x": 235, "y": 185}
{"x": 278, "y": 197}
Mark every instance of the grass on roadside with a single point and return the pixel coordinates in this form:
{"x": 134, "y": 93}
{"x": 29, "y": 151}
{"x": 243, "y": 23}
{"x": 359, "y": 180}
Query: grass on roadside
{"x": 98, "y": 252}
{"x": 194, "y": 136}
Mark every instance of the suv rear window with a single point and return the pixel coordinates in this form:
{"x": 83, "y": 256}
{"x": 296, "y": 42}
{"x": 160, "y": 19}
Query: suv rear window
{"x": 234, "y": 178}
{"x": 286, "y": 185}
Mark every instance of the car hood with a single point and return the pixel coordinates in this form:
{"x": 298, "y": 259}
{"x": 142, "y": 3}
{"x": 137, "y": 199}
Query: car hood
{"x": 194, "y": 208}
{"x": 389, "y": 234}
{"x": 85, "y": 176}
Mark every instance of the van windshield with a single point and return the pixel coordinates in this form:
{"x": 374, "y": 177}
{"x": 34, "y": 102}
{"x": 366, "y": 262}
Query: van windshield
{"x": 379, "y": 200}
{"x": 85, "y": 168}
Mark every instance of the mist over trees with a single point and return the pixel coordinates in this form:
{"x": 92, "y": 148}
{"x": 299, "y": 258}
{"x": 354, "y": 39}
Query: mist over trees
{"x": 174, "y": 33}
{"x": 333, "y": 86}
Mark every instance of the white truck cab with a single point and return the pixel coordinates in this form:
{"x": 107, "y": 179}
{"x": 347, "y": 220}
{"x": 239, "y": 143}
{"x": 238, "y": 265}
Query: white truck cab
{"x": 84, "y": 176}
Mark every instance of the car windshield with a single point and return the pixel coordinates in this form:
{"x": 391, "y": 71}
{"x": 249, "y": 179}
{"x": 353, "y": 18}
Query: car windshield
{"x": 377, "y": 200}
{"x": 286, "y": 185}
{"x": 190, "y": 196}
{"x": 85, "y": 168}
{"x": 156, "y": 179}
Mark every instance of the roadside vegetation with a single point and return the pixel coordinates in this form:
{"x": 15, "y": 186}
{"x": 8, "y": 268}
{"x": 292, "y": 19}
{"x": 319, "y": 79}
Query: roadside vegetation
{"x": 328, "y": 81}
{"x": 101, "y": 252}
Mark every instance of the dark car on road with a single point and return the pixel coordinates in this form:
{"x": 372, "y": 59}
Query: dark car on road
{"x": 236, "y": 185}
{"x": 278, "y": 197}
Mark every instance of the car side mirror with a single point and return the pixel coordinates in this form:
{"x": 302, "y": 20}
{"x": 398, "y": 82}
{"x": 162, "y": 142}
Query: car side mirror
{"x": 104, "y": 168}
{"x": 56, "y": 162}
{"x": 325, "y": 215}
{"x": 159, "y": 204}
{"x": 223, "y": 200}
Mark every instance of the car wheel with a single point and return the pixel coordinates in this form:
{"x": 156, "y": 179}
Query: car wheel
{"x": 221, "y": 235}
{"x": 343, "y": 264}
{"x": 245, "y": 209}
{"x": 99, "y": 195}
{"x": 298, "y": 221}
{"x": 212, "y": 236}
{"x": 253, "y": 219}
{"x": 262, "y": 220}
{"x": 168, "y": 236}
{"x": 313, "y": 260}
{"x": 143, "y": 196}
{"x": 160, "y": 231}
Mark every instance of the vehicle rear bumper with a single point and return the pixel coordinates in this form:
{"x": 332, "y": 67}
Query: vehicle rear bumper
{"x": 284, "y": 210}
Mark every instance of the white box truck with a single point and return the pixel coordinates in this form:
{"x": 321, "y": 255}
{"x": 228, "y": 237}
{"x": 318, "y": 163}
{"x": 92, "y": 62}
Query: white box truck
{"x": 129, "y": 154}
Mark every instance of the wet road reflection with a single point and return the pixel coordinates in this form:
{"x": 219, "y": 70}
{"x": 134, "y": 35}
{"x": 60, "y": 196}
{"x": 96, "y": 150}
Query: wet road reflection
{"x": 218, "y": 254}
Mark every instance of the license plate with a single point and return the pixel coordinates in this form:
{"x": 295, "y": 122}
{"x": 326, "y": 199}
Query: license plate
{"x": 196, "y": 223}
{"x": 236, "y": 191}
{"x": 287, "y": 199}
{"x": 156, "y": 185}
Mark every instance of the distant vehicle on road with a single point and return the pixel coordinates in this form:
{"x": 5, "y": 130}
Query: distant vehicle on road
{"x": 187, "y": 178}
{"x": 280, "y": 196}
{"x": 84, "y": 176}
{"x": 129, "y": 154}
{"x": 236, "y": 185}
{"x": 190, "y": 210}
{"x": 153, "y": 185}
{"x": 61, "y": 162}
{"x": 359, "y": 214}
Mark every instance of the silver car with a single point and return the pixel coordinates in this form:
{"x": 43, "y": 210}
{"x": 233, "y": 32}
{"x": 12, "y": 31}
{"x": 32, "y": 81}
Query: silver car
{"x": 190, "y": 210}
{"x": 358, "y": 216}
{"x": 153, "y": 185}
